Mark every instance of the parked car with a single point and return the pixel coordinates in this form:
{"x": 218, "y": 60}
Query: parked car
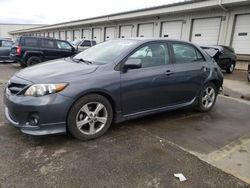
{"x": 5, "y": 47}
{"x": 226, "y": 57}
{"x": 248, "y": 73}
{"x": 111, "y": 82}
{"x": 82, "y": 45}
{"x": 29, "y": 50}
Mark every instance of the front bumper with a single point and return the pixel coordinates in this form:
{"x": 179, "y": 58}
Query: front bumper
{"x": 50, "y": 110}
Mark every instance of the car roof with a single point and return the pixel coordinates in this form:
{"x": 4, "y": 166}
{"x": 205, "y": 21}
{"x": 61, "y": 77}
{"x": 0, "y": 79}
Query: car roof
{"x": 144, "y": 39}
{"x": 40, "y": 37}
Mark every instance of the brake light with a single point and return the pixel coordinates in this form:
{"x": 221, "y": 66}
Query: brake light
{"x": 18, "y": 50}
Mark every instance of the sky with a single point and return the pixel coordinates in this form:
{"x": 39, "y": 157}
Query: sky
{"x": 57, "y": 11}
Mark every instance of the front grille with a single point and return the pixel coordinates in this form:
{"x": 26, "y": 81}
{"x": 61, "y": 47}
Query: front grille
{"x": 16, "y": 88}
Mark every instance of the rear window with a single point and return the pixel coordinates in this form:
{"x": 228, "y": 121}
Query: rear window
{"x": 47, "y": 43}
{"x": 185, "y": 53}
{"x": 32, "y": 42}
{"x": 6, "y": 43}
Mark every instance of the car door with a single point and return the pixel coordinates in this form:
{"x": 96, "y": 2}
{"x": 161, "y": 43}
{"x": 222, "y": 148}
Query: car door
{"x": 150, "y": 86}
{"x": 191, "y": 71}
{"x": 5, "y": 48}
{"x": 64, "y": 49}
{"x": 49, "y": 49}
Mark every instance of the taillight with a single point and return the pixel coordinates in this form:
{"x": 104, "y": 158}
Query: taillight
{"x": 18, "y": 50}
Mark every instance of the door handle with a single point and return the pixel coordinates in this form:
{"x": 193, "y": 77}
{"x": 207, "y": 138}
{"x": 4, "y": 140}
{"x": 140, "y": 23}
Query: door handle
{"x": 169, "y": 72}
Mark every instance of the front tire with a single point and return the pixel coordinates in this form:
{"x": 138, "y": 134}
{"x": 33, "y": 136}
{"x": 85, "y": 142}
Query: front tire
{"x": 207, "y": 97}
{"x": 90, "y": 117}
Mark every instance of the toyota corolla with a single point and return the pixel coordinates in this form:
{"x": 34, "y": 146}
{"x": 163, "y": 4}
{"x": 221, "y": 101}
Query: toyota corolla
{"x": 111, "y": 82}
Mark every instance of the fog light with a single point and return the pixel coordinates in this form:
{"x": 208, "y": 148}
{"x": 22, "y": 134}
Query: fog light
{"x": 34, "y": 120}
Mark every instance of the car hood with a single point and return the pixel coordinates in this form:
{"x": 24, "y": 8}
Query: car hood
{"x": 61, "y": 70}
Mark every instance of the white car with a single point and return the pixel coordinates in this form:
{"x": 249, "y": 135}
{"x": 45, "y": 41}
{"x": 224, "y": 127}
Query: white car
{"x": 84, "y": 44}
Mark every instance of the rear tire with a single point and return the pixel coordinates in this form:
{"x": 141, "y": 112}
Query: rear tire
{"x": 22, "y": 64}
{"x": 207, "y": 97}
{"x": 33, "y": 60}
{"x": 90, "y": 117}
{"x": 231, "y": 68}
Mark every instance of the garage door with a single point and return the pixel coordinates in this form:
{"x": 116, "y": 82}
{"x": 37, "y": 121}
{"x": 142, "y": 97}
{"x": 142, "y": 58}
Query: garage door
{"x": 109, "y": 33}
{"x": 126, "y": 31}
{"x": 77, "y": 35}
{"x": 97, "y": 35}
{"x": 206, "y": 31}
{"x": 69, "y": 35}
{"x": 57, "y": 35}
{"x": 171, "y": 30}
{"x": 146, "y": 30}
{"x": 86, "y": 33}
{"x": 62, "y": 35}
{"x": 241, "y": 36}
{"x": 51, "y": 34}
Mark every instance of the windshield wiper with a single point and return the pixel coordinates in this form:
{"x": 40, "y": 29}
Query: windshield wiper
{"x": 82, "y": 60}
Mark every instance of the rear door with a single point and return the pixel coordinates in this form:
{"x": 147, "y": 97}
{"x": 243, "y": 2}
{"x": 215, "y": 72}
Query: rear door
{"x": 49, "y": 49}
{"x": 191, "y": 71}
{"x": 5, "y": 48}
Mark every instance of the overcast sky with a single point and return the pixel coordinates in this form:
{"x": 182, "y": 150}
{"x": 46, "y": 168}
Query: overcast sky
{"x": 56, "y": 11}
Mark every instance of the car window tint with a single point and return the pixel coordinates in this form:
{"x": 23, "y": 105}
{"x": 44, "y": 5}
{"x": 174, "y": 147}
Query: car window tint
{"x": 185, "y": 53}
{"x": 47, "y": 43}
{"x": 63, "y": 45}
{"x": 32, "y": 42}
{"x": 155, "y": 54}
{"x": 6, "y": 43}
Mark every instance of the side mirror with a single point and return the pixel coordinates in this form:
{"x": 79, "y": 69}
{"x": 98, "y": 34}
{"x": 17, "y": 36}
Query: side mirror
{"x": 133, "y": 64}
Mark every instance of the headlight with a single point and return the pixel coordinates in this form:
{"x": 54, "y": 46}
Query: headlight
{"x": 38, "y": 90}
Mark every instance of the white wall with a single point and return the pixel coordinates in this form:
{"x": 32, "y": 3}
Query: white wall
{"x": 5, "y": 28}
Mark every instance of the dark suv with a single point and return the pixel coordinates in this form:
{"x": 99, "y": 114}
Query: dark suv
{"x": 29, "y": 50}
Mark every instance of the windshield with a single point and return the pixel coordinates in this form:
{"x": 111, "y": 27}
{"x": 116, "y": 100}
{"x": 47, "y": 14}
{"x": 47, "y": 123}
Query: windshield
{"x": 106, "y": 52}
{"x": 76, "y": 42}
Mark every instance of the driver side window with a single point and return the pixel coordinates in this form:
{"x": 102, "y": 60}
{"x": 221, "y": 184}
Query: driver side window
{"x": 155, "y": 54}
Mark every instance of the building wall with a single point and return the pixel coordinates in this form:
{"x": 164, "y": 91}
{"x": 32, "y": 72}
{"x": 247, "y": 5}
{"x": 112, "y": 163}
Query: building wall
{"x": 6, "y": 28}
{"x": 225, "y": 34}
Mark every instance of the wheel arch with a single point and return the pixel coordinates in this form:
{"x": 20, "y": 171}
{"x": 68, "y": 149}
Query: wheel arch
{"x": 101, "y": 93}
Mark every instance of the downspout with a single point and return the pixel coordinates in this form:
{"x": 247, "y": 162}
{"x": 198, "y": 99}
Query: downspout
{"x": 221, "y": 6}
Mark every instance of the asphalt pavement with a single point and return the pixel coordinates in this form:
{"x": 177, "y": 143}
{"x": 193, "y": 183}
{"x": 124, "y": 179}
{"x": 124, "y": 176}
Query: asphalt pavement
{"x": 145, "y": 152}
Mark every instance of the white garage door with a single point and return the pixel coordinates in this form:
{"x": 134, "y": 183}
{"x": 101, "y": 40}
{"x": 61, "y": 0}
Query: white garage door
{"x": 97, "y": 35}
{"x": 172, "y": 30}
{"x": 62, "y": 35}
{"x": 109, "y": 33}
{"x": 57, "y": 35}
{"x": 69, "y": 35}
{"x": 146, "y": 30}
{"x": 77, "y": 35}
{"x": 126, "y": 31}
{"x": 86, "y": 33}
{"x": 206, "y": 31}
{"x": 51, "y": 34}
{"x": 241, "y": 36}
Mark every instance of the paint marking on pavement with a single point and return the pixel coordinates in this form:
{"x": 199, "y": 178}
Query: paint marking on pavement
{"x": 228, "y": 158}
{"x": 235, "y": 99}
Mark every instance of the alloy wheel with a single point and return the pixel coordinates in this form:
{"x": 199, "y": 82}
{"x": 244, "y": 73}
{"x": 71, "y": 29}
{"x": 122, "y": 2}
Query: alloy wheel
{"x": 231, "y": 68}
{"x": 208, "y": 97}
{"x": 91, "y": 118}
